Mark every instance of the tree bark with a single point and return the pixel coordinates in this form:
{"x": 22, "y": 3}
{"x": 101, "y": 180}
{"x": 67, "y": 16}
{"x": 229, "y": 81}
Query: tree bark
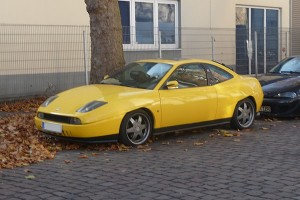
{"x": 106, "y": 38}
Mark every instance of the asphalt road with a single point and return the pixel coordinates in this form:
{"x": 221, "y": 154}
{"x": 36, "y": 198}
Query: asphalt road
{"x": 262, "y": 163}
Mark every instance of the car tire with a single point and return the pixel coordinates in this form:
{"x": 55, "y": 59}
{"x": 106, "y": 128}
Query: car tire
{"x": 244, "y": 114}
{"x": 136, "y": 128}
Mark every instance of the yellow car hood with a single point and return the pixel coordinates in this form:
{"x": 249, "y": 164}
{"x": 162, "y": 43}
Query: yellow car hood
{"x": 71, "y": 100}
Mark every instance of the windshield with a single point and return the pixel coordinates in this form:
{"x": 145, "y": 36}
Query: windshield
{"x": 139, "y": 75}
{"x": 288, "y": 65}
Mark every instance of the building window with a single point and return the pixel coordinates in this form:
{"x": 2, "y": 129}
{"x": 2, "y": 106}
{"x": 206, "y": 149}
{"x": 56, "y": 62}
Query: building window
{"x": 166, "y": 23}
{"x": 125, "y": 19}
{"x": 144, "y": 23}
{"x": 143, "y": 20}
{"x": 265, "y": 23}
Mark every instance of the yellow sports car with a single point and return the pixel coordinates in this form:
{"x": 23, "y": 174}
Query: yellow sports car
{"x": 150, "y": 97}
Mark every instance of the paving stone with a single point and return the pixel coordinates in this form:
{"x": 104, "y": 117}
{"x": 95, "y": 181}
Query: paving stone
{"x": 262, "y": 164}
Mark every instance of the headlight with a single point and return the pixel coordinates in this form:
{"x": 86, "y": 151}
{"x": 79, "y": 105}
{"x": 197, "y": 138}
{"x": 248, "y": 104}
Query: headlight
{"x": 91, "y": 106}
{"x": 48, "y": 101}
{"x": 287, "y": 95}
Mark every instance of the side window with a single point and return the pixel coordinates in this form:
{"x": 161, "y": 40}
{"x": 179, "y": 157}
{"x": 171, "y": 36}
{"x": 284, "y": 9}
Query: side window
{"x": 219, "y": 75}
{"x": 190, "y": 75}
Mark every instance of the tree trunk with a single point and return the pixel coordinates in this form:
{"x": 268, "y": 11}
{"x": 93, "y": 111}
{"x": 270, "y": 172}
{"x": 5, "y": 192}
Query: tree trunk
{"x": 106, "y": 38}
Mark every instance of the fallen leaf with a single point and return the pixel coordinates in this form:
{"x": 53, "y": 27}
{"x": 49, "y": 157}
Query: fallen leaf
{"x": 122, "y": 147}
{"x": 264, "y": 128}
{"x": 142, "y": 146}
{"x": 236, "y": 134}
{"x": 150, "y": 141}
{"x": 165, "y": 143}
{"x": 67, "y": 161}
{"x": 227, "y": 135}
{"x": 198, "y": 143}
{"x": 146, "y": 149}
{"x": 30, "y": 177}
{"x": 84, "y": 156}
{"x": 27, "y": 171}
{"x": 237, "y": 140}
{"x": 179, "y": 141}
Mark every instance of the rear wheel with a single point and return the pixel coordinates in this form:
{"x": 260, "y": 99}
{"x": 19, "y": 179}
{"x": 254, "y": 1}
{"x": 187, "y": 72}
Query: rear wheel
{"x": 136, "y": 128}
{"x": 244, "y": 114}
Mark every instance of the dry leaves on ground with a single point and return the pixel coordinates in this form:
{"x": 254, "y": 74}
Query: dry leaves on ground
{"x": 26, "y": 105}
{"x": 22, "y": 144}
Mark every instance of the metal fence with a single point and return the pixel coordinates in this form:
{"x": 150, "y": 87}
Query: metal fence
{"x": 40, "y": 60}
{"x": 44, "y": 59}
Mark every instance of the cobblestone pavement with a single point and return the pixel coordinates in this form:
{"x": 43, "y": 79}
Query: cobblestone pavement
{"x": 263, "y": 163}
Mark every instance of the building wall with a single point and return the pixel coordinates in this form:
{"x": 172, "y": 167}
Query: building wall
{"x": 44, "y": 12}
{"x": 221, "y": 13}
{"x": 194, "y": 13}
{"x": 295, "y": 25}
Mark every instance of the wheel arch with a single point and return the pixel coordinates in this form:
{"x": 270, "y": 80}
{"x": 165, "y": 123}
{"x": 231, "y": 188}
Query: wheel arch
{"x": 124, "y": 138}
{"x": 242, "y": 121}
{"x": 248, "y": 97}
{"x": 148, "y": 111}
{"x": 150, "y": 115}
{"x": 253, "y": 100}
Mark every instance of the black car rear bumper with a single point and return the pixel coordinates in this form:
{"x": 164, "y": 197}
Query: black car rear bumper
{"x": 281, "y": 107}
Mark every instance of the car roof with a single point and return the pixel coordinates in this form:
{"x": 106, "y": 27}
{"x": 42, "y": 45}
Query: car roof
{"x": 179, "y": 61}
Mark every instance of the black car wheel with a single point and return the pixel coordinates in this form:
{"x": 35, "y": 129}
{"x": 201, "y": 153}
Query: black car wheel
{"x": 244, "y": 114}
{"x": 136, "y": 128}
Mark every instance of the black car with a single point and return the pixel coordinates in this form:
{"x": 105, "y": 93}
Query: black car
{"x": 281, "y": 88}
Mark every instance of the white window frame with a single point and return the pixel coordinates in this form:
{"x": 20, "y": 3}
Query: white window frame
{"x": 133, "y": 43}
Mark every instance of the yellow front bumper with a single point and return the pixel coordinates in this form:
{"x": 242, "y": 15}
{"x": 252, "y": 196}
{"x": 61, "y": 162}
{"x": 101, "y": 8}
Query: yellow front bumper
{"x": 97, "y": 129}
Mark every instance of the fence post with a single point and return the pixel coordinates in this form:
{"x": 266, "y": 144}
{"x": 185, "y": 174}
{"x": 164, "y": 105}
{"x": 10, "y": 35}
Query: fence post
{"x": 159, "y": 44}
{"x": 249, "y": 53}
{"x": 212, "y": 47}
{"x": 255, "y": 46}
{"x": 85, "y": 58}
{"x": 287, "y": 50}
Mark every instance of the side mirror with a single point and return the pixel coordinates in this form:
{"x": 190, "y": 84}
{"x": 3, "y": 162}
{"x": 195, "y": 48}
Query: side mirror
{"x": 172, "y": 85}
{"x": 105, "y": 77}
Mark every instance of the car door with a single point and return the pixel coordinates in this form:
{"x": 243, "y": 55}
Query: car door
{"x": 192, "y": 100}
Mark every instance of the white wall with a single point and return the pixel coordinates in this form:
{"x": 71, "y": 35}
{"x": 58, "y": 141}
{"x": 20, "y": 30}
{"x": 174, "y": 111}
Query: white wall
{"x": 44, "y": 12}
{"x": 221, "y": 13}
{"x": 194, "y": 13}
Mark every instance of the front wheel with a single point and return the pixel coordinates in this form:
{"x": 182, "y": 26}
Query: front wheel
{"x": 244, "y": 114}
{"x": 136, "y": 128}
